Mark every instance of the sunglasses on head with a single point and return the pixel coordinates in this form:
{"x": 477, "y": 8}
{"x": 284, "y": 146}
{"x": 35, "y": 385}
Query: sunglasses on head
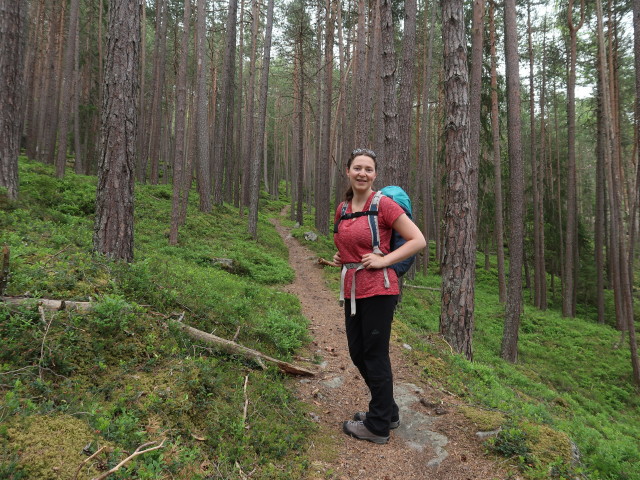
{"x": 363, "y": 151}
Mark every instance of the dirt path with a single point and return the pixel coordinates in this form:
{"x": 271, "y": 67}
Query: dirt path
{"x": 432, "y": 442}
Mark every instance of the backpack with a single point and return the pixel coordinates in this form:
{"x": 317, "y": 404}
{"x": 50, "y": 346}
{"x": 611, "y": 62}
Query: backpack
{"x": 398, "y": 195}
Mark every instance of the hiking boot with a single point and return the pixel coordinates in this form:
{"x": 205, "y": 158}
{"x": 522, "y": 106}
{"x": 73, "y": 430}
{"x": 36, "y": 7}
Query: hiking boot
{"x": 361, "y": 416}
{"x": 356, "y": 429}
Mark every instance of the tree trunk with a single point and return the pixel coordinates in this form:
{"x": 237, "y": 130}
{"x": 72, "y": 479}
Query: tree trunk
{"x": 497, "y": 161}
{"x": 113, "y": 230}
{"x": 622, "y": 288}
{"x": 224, "y": 119}
{"x": 458, "y": 267}
{"x": 389, "y": 170}
{"x": 202, "y": 112}
{"x": 323, "y": 171}
{"x": 428, "y": 220}
{"x": 362, "y": 108}
{"x": 262, "y": 116}
{"x": 513, "y": 307}
{"x": 568, "y": 301}
{"x": 405, "y": 100}
{"x": 181, "y": 104}
{"x": 12, "y": 44}
{"x": 67, "y": 83}
{"x": 159, "y": 54}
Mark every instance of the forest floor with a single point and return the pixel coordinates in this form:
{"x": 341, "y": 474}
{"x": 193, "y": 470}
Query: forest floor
{"x": 434, "y": 440}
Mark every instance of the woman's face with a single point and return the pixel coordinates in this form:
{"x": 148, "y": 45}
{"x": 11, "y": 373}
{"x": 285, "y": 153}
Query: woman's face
{"x": 361, "y": 173}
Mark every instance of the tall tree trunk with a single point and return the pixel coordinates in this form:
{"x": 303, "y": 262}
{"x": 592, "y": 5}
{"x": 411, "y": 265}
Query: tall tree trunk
{"x": 12, "y": 44}
{"x": 513, "y": 309}
{"x": 568, "y": 302}
{"x": 405, "y": 100}
{"x": 323, "y": 171}
{"x": 113, "y": 230}
{"x": 541, "y": 177}
{"x": 142, "y": 108}
{"x": 299, "y": 74}
{"x": 260, "y": 130}
{"x": 248, "y": 139}
{"x": 362, "y": 108}
{"x": 599, "y": 225}
{"x": 428, "y": 219}
{"x": 202, "y": 111}
{"x": 622, "y": 288}
{"x": 159, "y": 54}
{"x": 67, "y": 82}
{"x": 222, "y": 144}
{"x": 458, "y": 267}
{"x": 390, "y": 171}
{"x": 497, "y": 161}
{"x": 181, "y": 105}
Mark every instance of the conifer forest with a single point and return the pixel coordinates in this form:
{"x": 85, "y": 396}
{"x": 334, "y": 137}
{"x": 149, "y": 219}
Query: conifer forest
{"x": 513, "y": 126}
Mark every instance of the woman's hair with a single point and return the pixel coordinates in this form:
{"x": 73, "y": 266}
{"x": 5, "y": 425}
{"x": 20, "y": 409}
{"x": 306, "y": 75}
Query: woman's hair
{"x": 356, "y": 153}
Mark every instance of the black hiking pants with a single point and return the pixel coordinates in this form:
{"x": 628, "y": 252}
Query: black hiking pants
{"x": 368, "y": 334}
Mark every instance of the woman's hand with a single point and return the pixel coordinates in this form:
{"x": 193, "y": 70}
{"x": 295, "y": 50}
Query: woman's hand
{"x": 336, "y": 258}
{"x": 373, "y": 261}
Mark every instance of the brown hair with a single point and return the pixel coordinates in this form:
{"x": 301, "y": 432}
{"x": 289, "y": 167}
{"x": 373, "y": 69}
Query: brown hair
{"x": 348, "y": 195}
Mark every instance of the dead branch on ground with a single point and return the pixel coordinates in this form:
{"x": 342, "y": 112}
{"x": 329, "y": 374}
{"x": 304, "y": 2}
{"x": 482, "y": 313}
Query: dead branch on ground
{"x": 137, "y": 452}
{"x": 236, "y": 348}
{"x": 49, "y": 304}
{"x": 87, "y": 460}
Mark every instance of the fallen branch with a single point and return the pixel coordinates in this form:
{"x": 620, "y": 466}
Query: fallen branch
{"x": 88, "y": 459}
{"x": 433, "y": 289}
{"x": 49, "y": 304}
{"x": 137, "y": 452}
{"x": 233, "y": 347}
{"x": 44, "y": 339}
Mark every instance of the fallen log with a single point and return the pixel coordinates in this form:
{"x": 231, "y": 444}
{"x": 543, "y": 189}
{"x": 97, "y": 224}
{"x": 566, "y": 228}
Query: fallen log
{"x": 233, "y": 347}
{"x": 49, "y": 304}
{"x": 433, "y": 289}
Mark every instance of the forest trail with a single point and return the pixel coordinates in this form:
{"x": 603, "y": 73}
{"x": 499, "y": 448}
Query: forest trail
{"x": 434, "y": 440}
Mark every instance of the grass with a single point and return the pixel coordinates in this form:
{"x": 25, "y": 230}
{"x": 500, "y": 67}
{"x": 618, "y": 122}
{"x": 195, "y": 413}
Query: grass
{"x": 124, "y": 374}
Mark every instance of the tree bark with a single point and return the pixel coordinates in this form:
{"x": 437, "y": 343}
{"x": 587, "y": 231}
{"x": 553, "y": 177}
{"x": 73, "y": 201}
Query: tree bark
{"x": 405, "y": 99}
{"x": 323, "y": 172}
{"x": 12, "y": 44}
{"x": 568, "y": 297}
{"x": 497, "y": 160}
{"x": 68, "y": 80}
{"x": 513, "y": 309}
{"x": 202, "y": 112}
{"x": 260, "y": 130}
{"x": 113, "y": 230}
{"x": 458, "y": 266}
{"x": 181, "y": 104}
{"x": 389, "y": 170}
{"x": 224, "y": 118}
{"x": 159, "y": 58}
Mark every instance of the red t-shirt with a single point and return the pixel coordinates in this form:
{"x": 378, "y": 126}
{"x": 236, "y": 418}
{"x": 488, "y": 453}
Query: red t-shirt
{"x": 354, "y": 240}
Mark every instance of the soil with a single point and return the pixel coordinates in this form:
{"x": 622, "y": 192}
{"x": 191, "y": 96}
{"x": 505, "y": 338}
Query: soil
{"x": 435, "y": 440}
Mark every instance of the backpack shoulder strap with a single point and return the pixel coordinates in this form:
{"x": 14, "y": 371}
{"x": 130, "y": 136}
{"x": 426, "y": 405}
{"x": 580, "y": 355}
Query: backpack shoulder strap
{"x": 343, "y": 211}
{"x": 373, "y": 223}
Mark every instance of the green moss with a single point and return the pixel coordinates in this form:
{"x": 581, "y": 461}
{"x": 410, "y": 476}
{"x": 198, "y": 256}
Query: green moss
{"x": 51, "y": 447}
{"x": 485, "y": 420}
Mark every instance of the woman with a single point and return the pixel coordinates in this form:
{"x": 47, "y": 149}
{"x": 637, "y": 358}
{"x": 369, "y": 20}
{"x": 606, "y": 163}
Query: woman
{"x": 368, "y": 317}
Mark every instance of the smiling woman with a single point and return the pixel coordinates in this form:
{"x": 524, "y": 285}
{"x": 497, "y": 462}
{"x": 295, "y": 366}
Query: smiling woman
{"x": 372, "y": 299}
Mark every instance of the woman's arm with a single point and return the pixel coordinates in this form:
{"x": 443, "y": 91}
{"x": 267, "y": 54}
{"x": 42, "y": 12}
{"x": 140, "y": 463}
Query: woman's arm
{"x": 414, "y": 243}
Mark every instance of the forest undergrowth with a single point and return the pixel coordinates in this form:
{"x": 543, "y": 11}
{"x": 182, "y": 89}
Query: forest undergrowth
{"x": 125, "y": 374}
